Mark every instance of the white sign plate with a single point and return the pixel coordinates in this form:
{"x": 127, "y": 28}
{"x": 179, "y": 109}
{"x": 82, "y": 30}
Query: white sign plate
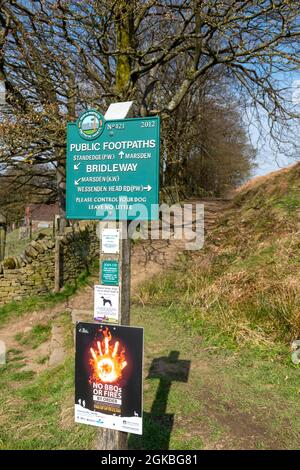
{"x": 118, "y": 110}
{"x": 110, "y": 240}
{"x": 106, "y": 303}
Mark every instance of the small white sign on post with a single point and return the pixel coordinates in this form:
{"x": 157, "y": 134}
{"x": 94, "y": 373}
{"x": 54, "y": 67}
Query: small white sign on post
{"x": 110, "y": 240}
{"x": 106, "y": 303}
{"x": 118, "y": 110}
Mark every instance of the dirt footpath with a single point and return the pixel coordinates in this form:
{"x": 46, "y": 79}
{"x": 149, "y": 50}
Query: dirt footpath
{"x": 149, "y": 258}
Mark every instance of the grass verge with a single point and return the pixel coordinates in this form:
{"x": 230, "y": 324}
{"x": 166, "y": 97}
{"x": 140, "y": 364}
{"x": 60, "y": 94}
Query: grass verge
{"x": 36, "y": 410}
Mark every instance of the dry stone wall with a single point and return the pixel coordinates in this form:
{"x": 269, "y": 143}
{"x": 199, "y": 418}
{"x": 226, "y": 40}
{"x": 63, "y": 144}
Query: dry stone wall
{"x": 32, "y": 273}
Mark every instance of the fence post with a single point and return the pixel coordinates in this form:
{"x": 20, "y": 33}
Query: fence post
{"x": 57, "y": 255}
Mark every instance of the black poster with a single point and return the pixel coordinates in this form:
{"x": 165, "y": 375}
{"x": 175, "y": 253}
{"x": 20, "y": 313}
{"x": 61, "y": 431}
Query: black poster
{"x": 108, "y": 376}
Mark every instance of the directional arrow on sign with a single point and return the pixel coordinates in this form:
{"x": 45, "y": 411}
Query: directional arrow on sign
{"x": 121, "y": 154}
{"x": 148, "y": 188}
{"x": 77, "y": 182}
{"x": 76, "y": 167}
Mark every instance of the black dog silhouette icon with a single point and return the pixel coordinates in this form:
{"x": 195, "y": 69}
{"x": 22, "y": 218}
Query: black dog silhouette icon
{"x": 106, "y": 301}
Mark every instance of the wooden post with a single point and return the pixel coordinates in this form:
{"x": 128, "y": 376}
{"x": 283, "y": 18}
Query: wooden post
{"x": 3, "y": 230}
{"x": 57, "y": 260}
{"x": 108, "y": 439}
{"x": 57, "y": 255}
{"x": 2, "y": 241}
{"x": 125, "y": 272}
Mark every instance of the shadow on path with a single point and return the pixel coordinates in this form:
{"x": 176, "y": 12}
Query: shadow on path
{"x": 158, "y": 424}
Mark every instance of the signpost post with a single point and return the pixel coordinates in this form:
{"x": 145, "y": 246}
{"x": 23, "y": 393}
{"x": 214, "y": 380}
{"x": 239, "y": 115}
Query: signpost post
{"x": 113, "y": 176}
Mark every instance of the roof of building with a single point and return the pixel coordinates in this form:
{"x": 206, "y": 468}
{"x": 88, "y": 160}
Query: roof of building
{"x": 43, "y": 212}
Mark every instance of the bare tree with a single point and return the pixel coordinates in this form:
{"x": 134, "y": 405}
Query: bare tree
{"x": 58, "y": 57}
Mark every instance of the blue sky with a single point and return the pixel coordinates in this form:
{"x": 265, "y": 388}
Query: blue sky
{"x": 268, "y": 158}
{"x": 267, "y": 163}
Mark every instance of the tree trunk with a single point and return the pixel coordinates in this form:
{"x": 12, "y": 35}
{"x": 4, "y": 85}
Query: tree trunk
{"x": 61, "y": 195}
{"x": 3, "y": 231}
{"x": 124, "y": 20}
{"x": 108, "y": 439}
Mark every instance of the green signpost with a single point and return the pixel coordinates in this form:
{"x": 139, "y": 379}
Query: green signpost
{"x": 113, "y": 174}
{"x": 112, "y": 168}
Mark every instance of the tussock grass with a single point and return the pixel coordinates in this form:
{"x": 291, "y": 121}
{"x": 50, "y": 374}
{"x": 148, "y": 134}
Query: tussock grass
{"x": 245, "y": 282}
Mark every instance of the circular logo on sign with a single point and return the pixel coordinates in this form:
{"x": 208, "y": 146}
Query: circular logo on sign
{"x": 90, "y": 124}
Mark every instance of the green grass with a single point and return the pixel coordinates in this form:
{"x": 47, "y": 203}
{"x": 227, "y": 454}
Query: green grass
{"x": 235, "y": 396}
{"x": 22, "y": 376}
{"x": 232, "y": 310}
{"x": 227, "y": 314}
{"x": 36, "y": 336}
{"x": 239, "y": 397}
{"x": 36, "y": 410}
{"x": 42, "y": 359}
{"x": 289, "y": 203}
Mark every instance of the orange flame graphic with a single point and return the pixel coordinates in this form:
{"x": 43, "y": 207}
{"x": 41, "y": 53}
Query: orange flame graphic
{"x": 107, "y": 361}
